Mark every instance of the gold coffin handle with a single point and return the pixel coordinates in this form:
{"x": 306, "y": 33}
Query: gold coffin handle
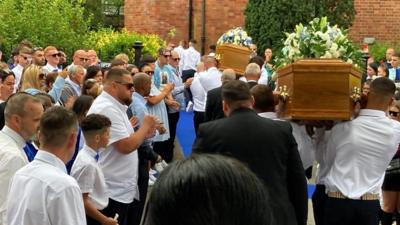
{"x": 356, "y": 94}
{"x": 283, "y": 93}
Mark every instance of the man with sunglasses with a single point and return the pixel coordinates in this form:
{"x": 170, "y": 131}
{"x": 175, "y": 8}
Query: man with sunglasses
{"x": 24, "y": 60}
{"x": 80, "y": 58}
{"x": 52, "y": 56}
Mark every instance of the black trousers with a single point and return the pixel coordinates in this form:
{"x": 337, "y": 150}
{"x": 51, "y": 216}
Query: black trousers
{"x": 198, "y": 118}
{"x": 161, "y": 148}
{"x": 351, "y": 212}
{"x": 117, "y": 207}
{"x": 319, "y": 199}
{"x": 186, "y": 74}
{"x": 173, "y": 122}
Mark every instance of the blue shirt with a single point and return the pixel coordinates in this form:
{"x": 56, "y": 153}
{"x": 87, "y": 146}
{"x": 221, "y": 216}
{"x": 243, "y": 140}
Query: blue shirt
{"x": 159, "y": 110}
{"x": 139, "y": 110}
{"x": 394, "y": 74}
{"x": 158, "y": 79}
{"x": 55, "y": 92}
{"x": 177, "y": 92}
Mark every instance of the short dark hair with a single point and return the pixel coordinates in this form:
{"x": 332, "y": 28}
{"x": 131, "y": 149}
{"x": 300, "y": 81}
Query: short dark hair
{"x": 56, "y": 125}
{"x": 263, "y": 98}
{"x": 95, "y": 123}
{"x": 208, "y": 189}
{"x": 234, "y": 91}
{"x": 116, "y": 74}
{"x": 257, "y": 60}
{"x": 117, "y": 62}
{"x": 374, "y": 66}
{"x": 4, "y": 74}
{"x": 383, "y": 87}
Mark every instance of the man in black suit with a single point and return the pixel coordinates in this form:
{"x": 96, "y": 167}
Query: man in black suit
{"x": 266, "y": 146}
{"x": 214, "y": 99}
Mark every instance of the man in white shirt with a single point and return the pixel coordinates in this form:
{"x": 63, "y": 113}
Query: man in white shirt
{"x": 22, "y": 116}
{"x": 191, "y": 57}
{"x": 24, "y": 60}
{"x": 53, "y": 59}
{"x": 199, "y": 100}
{"x": 212, "y": 77}
{"x": 361, "y": 149}
{"x": 42, "y": 191}
{"x": 119, "y": 161}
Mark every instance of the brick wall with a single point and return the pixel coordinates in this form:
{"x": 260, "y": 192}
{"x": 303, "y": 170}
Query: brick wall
{"x": 375, "y": 18}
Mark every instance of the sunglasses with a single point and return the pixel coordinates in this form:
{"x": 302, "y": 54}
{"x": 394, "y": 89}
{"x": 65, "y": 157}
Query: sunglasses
{"x": 176, "y": 59}
{"x": 393, "y": 113}
{"x": 129, "y": 86}
{"x": 56, "y": 55}
{"x": 83, "y": 59}
{"x": 26, "y": 57}
{"x": 167, "y": 56}
{"x": 149, "y": 72}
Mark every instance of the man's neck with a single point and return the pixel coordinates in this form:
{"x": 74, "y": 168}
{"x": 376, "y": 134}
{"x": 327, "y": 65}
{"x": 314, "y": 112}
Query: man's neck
{"x": 55, "y": 66}
{"x": 93, "y": 145}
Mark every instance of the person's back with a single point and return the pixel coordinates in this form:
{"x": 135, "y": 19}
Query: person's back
{"x": 47, "y": 177}
{"x": 42, "y": 192}
{"x": 266, "y": 146}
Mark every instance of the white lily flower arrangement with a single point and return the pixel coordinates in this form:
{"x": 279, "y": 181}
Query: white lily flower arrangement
{"x": 318, "y": 40}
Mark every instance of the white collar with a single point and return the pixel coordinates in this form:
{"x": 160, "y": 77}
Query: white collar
{"x": 51, "y": 159}
{"x": 269, "y": 115}
{"x": 15, "y": 136}
{"x": 372, "y": 112}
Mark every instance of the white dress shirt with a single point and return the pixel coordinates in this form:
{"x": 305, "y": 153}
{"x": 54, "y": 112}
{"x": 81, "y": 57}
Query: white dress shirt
{"x": 199, "y": 94}
{"x": 18, "y": 75}
{"x": 43, "y": 193}
{"x": 12, "y": 158}
{"x": 90, "y": 178}
{"x": 191, "y": 58}
{"x": 210, "y": 79}
{"x": 269, "y": 115}
{"x": 120, "y": 170}
{"x": 361, "y": 149}
{"x": 49, "y": 68}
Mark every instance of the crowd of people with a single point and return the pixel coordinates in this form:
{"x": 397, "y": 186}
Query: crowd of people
{"x": 81, "y": 143}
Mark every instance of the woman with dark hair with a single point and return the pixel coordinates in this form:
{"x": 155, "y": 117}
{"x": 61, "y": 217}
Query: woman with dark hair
{"x": 383, "y": 71}
{"x": 208, "y": 189}
{"x": 80, "y": 107}
{"x": 94, "y": 72}
{"x": 372, "y": 71}
{"x": 7, "y": 81}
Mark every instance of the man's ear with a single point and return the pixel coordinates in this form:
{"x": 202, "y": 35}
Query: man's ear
{"x": 252, "y": 101}
{"x": 225, "y": 108}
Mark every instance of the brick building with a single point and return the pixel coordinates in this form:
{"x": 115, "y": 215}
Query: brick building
{"x": 375, "y": 18}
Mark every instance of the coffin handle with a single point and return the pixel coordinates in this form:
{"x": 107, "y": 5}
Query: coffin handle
{"x": 356, "y": 94}
{"x": 283, "y": 93}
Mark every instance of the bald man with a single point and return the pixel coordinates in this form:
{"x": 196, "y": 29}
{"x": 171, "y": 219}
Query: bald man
{"x": 80, "y": 58}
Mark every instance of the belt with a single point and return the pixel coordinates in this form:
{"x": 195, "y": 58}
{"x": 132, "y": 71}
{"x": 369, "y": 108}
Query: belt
{"x": 367, "y": 196}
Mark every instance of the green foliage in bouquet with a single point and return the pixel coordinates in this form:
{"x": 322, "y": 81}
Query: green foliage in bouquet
{"x": 109, "y": 43}
{"x": 318, "y": 40}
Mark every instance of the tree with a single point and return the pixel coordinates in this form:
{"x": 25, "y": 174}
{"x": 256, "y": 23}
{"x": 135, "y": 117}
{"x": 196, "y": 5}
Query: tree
{"x": 43, "y": 22}
{"x": 267, "y": 20}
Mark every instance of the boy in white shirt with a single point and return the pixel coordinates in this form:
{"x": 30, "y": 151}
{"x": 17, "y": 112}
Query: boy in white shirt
{"x": 86, "y": 171}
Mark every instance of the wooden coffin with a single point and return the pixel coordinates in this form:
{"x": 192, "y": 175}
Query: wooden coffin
{"x": 233, "y": 56}
{"x": 318, "y": 89}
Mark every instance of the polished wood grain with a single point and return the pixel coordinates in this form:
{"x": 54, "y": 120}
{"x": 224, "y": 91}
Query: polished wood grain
{"x": 319, "y": 89}
{"x": 234, "y": 57}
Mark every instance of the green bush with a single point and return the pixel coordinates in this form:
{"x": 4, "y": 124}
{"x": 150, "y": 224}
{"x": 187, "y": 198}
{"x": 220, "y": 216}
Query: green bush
{"x": 267, "y": 20}
{"x": 43, "y": 22}
{"x": 109, "y": 43}
{"x": 378, "y": 49}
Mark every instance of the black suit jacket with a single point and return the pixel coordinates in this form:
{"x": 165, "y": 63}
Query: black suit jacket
{"x": 252, "y": 83}
{"x": 270, "y": 150}
{"x": 214, "y": 105}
